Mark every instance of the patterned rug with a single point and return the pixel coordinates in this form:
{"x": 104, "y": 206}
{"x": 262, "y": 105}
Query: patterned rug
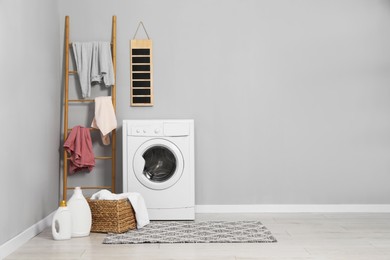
{"x": 195, "y": 232}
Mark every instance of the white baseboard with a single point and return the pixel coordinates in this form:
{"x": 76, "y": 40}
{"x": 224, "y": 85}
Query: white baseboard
{"x": 294, "y": 208}
{"x": 11, "y": 245}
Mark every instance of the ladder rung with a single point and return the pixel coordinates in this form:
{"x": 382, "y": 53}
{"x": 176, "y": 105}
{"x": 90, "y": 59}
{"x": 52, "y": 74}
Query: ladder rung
{"x": 81, "y": 100}
{"x": 70, "y": 44}
{"x": 91, "y": 187}
{"x": 103, "y": 157}
{"x": 100, "y": 158}
{"x": 90, "y": 128}
{"x": 72, "y": 72}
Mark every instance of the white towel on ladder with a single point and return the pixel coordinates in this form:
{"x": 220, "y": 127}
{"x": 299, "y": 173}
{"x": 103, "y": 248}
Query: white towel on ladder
{"x": 104, "y": 119}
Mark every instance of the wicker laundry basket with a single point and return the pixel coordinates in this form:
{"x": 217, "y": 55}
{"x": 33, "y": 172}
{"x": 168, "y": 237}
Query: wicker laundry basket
{"x": 112, "y": 216}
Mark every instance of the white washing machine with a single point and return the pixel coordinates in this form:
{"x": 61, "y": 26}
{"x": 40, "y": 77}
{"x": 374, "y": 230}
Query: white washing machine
{"x": 158, "y": 162}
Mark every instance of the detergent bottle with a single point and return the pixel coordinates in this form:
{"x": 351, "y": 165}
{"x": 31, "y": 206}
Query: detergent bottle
{"x": 81, "y": 214}
{"x": 61, "y": 226}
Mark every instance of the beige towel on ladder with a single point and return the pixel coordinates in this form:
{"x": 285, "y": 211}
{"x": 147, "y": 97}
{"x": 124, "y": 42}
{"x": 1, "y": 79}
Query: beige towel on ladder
{"x": 104, "y": 119}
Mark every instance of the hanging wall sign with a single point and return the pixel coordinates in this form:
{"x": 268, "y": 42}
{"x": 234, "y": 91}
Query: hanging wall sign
{"x": 141, "y": 72}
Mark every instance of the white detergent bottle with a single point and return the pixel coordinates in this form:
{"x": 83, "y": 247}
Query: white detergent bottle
{"x": 81, "y": 214}
{"x": 61, "y": 226}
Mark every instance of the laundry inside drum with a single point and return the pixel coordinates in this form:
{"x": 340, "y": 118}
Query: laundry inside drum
{"x": 160, "y": 164}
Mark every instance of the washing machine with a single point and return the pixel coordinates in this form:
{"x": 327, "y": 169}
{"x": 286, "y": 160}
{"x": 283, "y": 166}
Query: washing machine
{"x": 158, "y": 162}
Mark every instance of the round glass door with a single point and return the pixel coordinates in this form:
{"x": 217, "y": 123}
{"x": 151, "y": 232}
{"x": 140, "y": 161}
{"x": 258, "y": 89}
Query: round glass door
{"x": 158, "y": 164}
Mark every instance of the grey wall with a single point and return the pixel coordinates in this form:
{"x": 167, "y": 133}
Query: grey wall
{"x": 29, "y": 113}
{"x": 290, "y": 98}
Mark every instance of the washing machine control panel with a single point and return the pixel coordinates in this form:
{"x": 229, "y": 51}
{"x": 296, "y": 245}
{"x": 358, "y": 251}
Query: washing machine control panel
{"x": 147, "y": 130}
{"x": 161, "y": 128}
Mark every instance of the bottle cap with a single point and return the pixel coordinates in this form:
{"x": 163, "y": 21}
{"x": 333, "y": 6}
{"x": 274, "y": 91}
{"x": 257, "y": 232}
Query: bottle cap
{"x": 63, "y": 203}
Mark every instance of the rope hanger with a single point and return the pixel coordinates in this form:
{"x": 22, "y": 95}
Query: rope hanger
{"x": 141, "y": 23}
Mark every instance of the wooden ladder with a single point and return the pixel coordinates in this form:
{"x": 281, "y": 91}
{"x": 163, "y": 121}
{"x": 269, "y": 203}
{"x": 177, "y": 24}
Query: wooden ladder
{"x": 67, "y": 101}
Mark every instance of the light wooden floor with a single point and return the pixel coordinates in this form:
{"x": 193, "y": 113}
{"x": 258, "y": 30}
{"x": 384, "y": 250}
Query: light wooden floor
{"x": 300, "y": 236}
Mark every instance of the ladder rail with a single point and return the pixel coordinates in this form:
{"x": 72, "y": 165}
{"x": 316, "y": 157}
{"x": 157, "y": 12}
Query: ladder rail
{"x": 113, "y": 97}
{"x": 66, "y": 105}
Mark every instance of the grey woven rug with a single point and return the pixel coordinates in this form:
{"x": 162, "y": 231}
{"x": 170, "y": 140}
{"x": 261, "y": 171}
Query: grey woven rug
{"x": 195, "y": 232}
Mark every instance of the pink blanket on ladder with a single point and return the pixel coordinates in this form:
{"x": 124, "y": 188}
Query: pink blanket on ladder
{"x": 79, "y": 147}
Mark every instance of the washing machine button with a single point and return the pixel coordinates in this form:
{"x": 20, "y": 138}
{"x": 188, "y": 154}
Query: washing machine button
{"x": 156, "y": 131}
{"x": 138, "y": 131}
{"x": 144, "y": 131}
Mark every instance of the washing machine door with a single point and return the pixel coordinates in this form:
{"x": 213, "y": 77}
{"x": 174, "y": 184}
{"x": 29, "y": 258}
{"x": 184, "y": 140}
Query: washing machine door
{"x": 158, "y": 164}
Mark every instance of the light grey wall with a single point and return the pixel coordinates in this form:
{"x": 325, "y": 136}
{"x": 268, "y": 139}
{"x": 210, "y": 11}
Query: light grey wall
{"x": 291, "y": 99}
{"x": 29, "y": 113}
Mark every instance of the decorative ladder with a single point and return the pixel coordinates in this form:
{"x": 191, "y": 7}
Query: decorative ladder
{"x": 67, "y": 101}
